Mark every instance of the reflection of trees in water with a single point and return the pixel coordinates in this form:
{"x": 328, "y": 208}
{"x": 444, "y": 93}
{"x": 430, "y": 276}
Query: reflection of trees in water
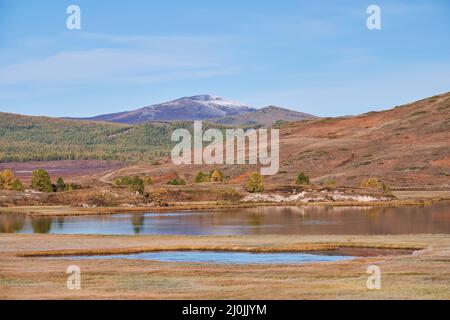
{"x": 138, "y": 223}
{"x": 11, "y": 223}
{"x": 256, "y": 219}
{"x": 41, "y": 225}
{"x": 60, "y": 222}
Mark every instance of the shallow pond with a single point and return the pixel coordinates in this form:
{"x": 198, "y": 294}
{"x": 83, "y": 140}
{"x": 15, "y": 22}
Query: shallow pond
{"x": 262, "y": 220}
{"x": 221, "y": 257}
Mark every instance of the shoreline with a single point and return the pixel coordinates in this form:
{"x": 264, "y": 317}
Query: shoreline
{"x": 40, "y": 211}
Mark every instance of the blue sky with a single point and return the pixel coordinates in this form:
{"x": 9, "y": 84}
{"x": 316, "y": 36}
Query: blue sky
{"x": 311, "y": 56}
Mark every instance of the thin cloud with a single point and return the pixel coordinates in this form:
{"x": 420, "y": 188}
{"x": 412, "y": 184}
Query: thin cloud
{"x": 142, "y": 59}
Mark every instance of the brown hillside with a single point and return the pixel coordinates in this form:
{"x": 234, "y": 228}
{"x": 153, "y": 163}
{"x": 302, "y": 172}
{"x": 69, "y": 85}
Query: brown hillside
{"x": 405, "y": 146}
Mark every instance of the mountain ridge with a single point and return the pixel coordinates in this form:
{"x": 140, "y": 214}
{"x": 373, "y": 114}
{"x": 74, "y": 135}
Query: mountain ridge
{"x": 202, "y": 107}
{"x": 199, "y": 107}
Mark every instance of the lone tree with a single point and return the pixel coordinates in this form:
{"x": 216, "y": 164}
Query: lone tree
{"x": 60, "y": 185}
{"x": 6, "y": 179}
{"x": 137, "y": 185}
{"x": 302, "y": 179}
{"x": 255, "y": 183}
{"x": 41, "y": 181}
{"x": 217, "y": 176}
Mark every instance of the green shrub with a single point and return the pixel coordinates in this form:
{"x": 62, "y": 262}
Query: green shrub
{"x": 201, "y": 177}
{"x": 60, "y": 185}
{"x": 17, "y": 185}
{"x": 255, "y": 183}
{"x": 40, "y": 181}
{"x": 176, "y": 182}
{"x": 122, "y": 181}
{"x": 302, "y": 179}
{"x": 136, "y": 183}
{"x": 213, "y": 176}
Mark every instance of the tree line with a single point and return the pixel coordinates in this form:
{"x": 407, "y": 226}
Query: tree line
{"x": 40, "y": 181}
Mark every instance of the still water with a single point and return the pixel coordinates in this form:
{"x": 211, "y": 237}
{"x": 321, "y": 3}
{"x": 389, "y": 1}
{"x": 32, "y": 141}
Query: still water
{"x": 263, "y": 220}
{"x": 221, "y": 257}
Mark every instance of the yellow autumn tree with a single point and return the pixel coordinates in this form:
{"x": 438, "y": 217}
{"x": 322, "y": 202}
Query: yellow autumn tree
{"x": 8, "y": 181}
{"x": 217, "y": 176}
{"x": 255, "y": 183}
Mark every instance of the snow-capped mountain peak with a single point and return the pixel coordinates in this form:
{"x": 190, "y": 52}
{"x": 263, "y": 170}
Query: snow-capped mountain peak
{"x": 200, "y": 107}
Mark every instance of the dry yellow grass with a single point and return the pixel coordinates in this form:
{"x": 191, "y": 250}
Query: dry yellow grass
{"x": 426, "y": 195}
{"x": 423, "y": 275}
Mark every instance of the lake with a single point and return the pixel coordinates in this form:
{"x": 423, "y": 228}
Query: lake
{"x": 254, "y": 221}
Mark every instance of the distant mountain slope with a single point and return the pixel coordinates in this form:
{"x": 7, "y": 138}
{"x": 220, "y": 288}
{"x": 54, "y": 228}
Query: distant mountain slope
{"x": 266, "y": 116}
{"x": 200, "y": 107}
{"x": 26, "y": 138}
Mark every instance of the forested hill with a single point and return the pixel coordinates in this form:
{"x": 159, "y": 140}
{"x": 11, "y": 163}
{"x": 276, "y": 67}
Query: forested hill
{"x": 26, "y": 138}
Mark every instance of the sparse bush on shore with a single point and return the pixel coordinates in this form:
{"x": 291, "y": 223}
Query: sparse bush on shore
{"x": 331, "y": 183}
{"x": 255, "y": 183}
{"x": 72, "y": 187}
{"x": 371, "y": 183}
{"x": 176, "y": 182}
{"x": 201, "y": 177}
{"x": 302, "y": 179}
{"x": 213, "y": 176}
{"x": 374, "y": 183}
{"x": 136, "y": 183}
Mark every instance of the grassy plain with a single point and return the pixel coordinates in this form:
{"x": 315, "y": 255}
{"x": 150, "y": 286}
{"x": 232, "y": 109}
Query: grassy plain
{"x": 425, "y": 274}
